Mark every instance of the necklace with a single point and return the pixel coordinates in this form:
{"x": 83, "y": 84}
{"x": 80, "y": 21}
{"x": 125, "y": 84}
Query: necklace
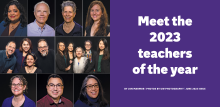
{"x": 30, "y": 70}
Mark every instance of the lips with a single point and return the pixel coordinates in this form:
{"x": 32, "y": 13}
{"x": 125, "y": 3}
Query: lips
{"x": 12, "y": 16}
{"x": 55, "y": 92}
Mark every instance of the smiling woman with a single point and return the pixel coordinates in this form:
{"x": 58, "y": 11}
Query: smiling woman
{"x": 68, "y": 27}
{"x": 15, "y": 21}
{"x": 18, "y": 86}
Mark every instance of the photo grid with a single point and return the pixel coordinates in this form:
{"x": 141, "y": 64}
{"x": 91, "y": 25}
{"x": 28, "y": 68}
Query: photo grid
{"x": 55, "y": 53}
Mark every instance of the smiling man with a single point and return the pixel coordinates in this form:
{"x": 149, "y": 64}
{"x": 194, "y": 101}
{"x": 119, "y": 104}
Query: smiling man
{"x": 55, "y": 86}
{"x": 8, "y": 59}
{"x": 39, "y": 26}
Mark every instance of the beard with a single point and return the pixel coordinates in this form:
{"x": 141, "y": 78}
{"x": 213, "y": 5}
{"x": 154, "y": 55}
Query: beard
{"x": 44, "y": 53}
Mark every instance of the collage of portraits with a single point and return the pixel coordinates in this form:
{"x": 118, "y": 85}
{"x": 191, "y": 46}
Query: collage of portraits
{"x": 55, "y": 53}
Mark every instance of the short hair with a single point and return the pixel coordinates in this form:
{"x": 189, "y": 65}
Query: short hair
{"x": 23, "y": 16}
{"x": 82, "y": 96}
{"x": 22, "y": 79}
{"x": 68, "y": 3}
{"x": 43, "y": 3}
{"x": 40, "y": 40}
{"x": 88, "y": 41}
{"x": 82, "y": 51}
{"x": 55, "y": 76}
{"x": 29, "y": 42}
{"x": 33, "y": 55}
{"x": 10, "y": 42}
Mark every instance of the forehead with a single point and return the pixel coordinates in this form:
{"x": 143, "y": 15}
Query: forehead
{"x": 42, "y": 6}
{"x": 12, "y": 44}
{"x": 16, "y": 80}
{"x": 101, "y": 42}
{"x": 68, "y": 8}
{"x": 91, "y": 81}
{"x": 87, "y": 42}
{"x": 96, "y": 6}
{"x": 30, "y": 56}
{"x": 42, "y": 43}
{"x": 78, "y": 49}
{"x": 25, "y": 42}
{"x": 12, "y": 7}
{"x": 61, "y": 43}
{"x": 70, "y": 44}
{"x": 55, "y": 81}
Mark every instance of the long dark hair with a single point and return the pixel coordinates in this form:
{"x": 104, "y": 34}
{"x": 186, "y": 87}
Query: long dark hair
{"x": 82, "y": 96}
{"x": 101, "y": 30}
{"x": 64, "y": 51}
{"x": 29, "y": 42}
{"x": 106, "y": 53}
{"x": 23, "y": 18}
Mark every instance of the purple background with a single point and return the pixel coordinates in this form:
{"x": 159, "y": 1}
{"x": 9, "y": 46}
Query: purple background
{"x": 202, "y": 38}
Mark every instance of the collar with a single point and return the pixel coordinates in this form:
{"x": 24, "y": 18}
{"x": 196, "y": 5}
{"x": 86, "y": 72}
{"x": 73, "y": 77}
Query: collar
{"x": 89, "y": 52}
{"x": 92, "y": 100}
{"x": 38, "y": 27}
{"x": 52, "y": 102}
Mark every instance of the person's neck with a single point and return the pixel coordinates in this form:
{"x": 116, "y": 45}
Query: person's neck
{"x": 101, "y": 52}
{"x": 18, "y": 98}
{"x": 78, "y": 58}
{"x": 87, "y": 51}
{"x": 30, "y": 68}
{"x": 66, "y": 24}
{"x": 61, "y": 52}
{"x": 70, "y": 52}
{"x": 24, "y": 53}
{"x": 56, "y": 100}
{"x": 15, "y": 23}
{"x": 96, "y": 22}
{"x": 7, "y": 54}
{"x": 41, "y": 25}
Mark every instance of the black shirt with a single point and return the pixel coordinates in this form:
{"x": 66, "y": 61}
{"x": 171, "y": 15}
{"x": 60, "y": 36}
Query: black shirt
{"x": 6, "y": 31}
{"x": 22, "y": 70}
{"x": 77, "y": 30}
{"x": 46, "y": 63}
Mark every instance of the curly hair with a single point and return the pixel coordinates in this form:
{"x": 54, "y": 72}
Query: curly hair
{"x": 22, "y": 18}
{"x": 101, "y": 30}
{"x": 22, "y": 79}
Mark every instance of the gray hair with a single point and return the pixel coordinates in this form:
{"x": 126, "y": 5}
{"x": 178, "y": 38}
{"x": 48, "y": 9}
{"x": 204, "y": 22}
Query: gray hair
{"x": 43, "y": 3}
{"x": 11, "y": 42}
{"x": 83, "y": 52}
{"x": 68, "y": 3}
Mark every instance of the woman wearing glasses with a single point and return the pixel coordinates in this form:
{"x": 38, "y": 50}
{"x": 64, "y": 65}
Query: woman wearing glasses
{"x": 80, "y": 63}
{"x": 61, "y": 59}
{"x": 18, "y": 86}
{"x": 91, "y": 94}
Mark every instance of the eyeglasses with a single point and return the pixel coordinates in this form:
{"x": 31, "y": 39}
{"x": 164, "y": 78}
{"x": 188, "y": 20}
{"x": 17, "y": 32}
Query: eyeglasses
{"x": 53, "y": 86}
{"x": 88, "y": 45}
{"x": 42, "y": 47}
{"x": 91, "y": 86}
{"x": 19, "y": 85}
{"x": 62, "y": 45}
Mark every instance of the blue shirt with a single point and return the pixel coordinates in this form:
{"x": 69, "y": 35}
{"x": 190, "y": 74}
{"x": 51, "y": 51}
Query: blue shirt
{"x": 6, "y": 63}
{"x": 34, "y": 30}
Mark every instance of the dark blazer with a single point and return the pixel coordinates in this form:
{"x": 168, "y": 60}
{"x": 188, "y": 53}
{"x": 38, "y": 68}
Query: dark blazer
{"x": 27, "y": 103}
{"x": 21, "y": 31}
{"x": 19, "y": 56}
{"x": 68, "y": 63}
{"x": 60, "y": 64}
{"x": 77, "y": 30}
{"x": 105, "y": 64}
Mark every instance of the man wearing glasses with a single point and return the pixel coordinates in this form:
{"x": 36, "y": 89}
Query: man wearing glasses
{"x": 7, "y": 58}
{"x": 45, "y": 56}
{"x": 55, "y": 86}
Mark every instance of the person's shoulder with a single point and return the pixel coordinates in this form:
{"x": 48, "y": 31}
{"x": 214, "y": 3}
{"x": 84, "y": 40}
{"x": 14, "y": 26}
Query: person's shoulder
{"x": 7, "y": 101}
{"x": 66, "y": 101}
{"x": 78, "y": 25}
{"x": 2, "y": 51}
{"x": 29, "y": 101}
{"x": 30, "y": 24}
{"x": 59, "y": 27}
{"x": 88, "y": 27}
{"x": 49, "y": 27}
{"x": 79, "y": 103}
{"x": 42, "y": 100}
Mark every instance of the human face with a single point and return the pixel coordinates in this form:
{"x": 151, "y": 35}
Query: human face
{"x": 10, "y": 49}
{"x": 41, "y": 13}
{"x": 68, "y": 14}
{"x": 43, "y": 48}
{"x": 96, "y": 12}
{"x": 30, "y": 60}
{"x": 101, "y": 45}
{"x": 70, "y": 47}
{"x": 25, "y": 46}
{"x": 78, "y": 52}
{"x": 61, "y": 46}
{"x": 92, "y": 88}
{"x": 13, "y": 13}
{"x": 17, "y": 87}
{"x": 87, "y": 45}
{"x": 55, "y": 91}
